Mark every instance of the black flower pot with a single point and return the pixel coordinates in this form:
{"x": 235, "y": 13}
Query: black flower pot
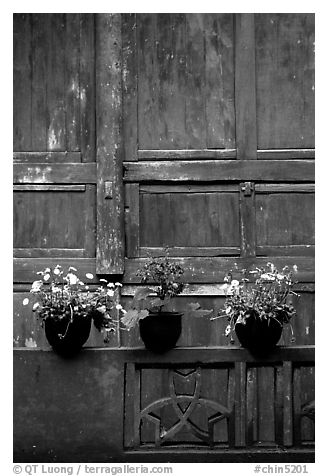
{"x": 65, "y": 337}
{"x": 160, "y": 331}
{"x": 260, "y": 336}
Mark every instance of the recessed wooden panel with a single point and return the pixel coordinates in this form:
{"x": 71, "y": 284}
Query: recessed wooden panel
{"x": 53, "y": 83}
{"x": 53, "y": 219}
{"x": 185, "y": 81}
{"x": 285, "y": 219}
{"x": 285, "y": 80}
{"x": 189, "y": 219}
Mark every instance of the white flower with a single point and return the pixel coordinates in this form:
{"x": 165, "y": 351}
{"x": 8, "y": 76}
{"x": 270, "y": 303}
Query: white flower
{"x": 71, "y": 268}
{"x": 280, "y": 276}
{"x": 57, "y": 271}
{"x": 26, "y": 301}
{"x": 234, "y": 283}
{"x": 267, "y": 277}
{"x": 118, "y": 284}
{"x": 47, "y": 270}
{"x": 72, "y": 278}
{"x": 36, "y": 305}
{"x": 295, "y": 268}
{"x": 89, "y": 275}
{"x": 119, "y": 307}
{"x": 103, "y": 280}
{"x": 110, "y": 285}
{"x": 36, "y": 286}
{"x": 46, "y": 277}
{"x": 228, "y": 310}
{"x": 110, "y": 293}
{"x": 86, "y": 287}
{"x": 101, "y": 309}
{"x": 227, "y": 330}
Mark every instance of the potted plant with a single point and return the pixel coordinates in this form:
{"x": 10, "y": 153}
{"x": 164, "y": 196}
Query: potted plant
{"x": 153, "y": 308}
{"x": 66, "y": 308}
{"x": 257, "y": 311}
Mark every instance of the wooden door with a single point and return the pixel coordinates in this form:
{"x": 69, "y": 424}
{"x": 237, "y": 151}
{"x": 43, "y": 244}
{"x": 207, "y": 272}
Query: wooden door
{"x": 137, "y": 132}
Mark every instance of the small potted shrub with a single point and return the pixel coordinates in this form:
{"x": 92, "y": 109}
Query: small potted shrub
{"x": 66, "y": 308}
{"x": 153, "y": 308}
{"x": 257, "y": 311}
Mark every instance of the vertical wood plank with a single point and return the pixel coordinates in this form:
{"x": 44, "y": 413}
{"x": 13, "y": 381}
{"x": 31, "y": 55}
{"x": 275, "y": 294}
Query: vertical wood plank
{"x": 72, "y": 81}
{"x": 147, "y": 77}
{"x": 195, "y": 82}
{"x": 39, "y": 85}
{"x": 252, "y": 406}
{"x": 279, "y": 412}
{"x": 129, "y": 399}
{"x": 240, "y": 404}
{"x": 130, "y": 86}
{"x": 266, "y": 433}
{"x": 297, "y": 402}
{"x": 219, "y": 64}
{"x": 56, "y": 127}
{"x": 90, "y": 221}
{"x": 245, "y": 96}
{"x": 132, "y": 219}
{"x": 110, "y": 211}
{"x": 87, "y": 87}
{"x": 288, "y": 403}
{"x": 22, "y": 82}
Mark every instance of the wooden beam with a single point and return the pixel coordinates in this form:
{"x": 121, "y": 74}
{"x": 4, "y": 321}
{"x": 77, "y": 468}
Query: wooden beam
{"x": 220, "y": 170}
{"x": 110, "y": 202}
{"x": 43, "y": 173}
{"x": 190, "y": 251}
{"x": 49, "y": 188}
{"x": 245, "y": 83}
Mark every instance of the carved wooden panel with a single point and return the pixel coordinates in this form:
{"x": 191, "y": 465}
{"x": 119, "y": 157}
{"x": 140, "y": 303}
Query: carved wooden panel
{"x": 219, "y": 405}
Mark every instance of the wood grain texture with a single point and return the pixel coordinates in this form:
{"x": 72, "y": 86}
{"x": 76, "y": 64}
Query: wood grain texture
{"x": 110, "y": 212}
{"x": 22, "y": 81}
{"x": 43, "y": 173}
{"x": 288, "y": 403}
{"x": 47, "y": 157}
{"x": 210, "y": 170}
{"x": 283, "y": 220}
{"x": 132, "y": 220}
{"x": 247, "y": 220}
{"x": 56, "y": 120}
{"x": 130, "y": 85}
{"x": 183, "y": 154}
{"x": 245, "y": 87}
{"x": 285, "y": 80}
{"x": 219, "y": 77}
{"x": 87, "y": 86}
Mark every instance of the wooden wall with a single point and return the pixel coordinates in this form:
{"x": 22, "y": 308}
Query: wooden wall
{"x": 136, "y": 132}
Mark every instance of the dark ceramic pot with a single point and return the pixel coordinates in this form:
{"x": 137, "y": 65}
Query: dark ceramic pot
{"x": 160, "y": 331}
{"x": 260, "y": 336}
{"x": 67, "y": 338}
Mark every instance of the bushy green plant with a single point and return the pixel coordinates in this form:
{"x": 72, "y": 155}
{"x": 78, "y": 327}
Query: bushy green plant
{"x": 262, "y": 292}
{"x": 62, "y": 295}
{"x": 167, "y": 276}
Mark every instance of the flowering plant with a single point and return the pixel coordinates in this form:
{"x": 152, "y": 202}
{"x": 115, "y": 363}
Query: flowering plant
{"x": 264, "y": 299}
{"x": 62, "y": 295}
{"x": 148, "y": 300}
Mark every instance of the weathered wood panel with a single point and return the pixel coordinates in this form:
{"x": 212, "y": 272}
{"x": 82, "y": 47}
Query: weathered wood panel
{"x": 186, "y": 69}
{"x": 183, "y": 220}
{"x": 285, "y": 219}
{"x": 47, "y": 219}
{"x": 285, "y": 80}
{"x": 42, "y": 173}
{"x": 53, "y": 83}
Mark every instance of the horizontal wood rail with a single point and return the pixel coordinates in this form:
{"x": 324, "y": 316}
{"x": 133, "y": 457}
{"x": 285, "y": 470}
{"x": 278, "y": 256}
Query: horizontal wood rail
{"x": 220, "y": 170}
{"x": 43, "y": 173}
{"x": 197, "y": 270}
